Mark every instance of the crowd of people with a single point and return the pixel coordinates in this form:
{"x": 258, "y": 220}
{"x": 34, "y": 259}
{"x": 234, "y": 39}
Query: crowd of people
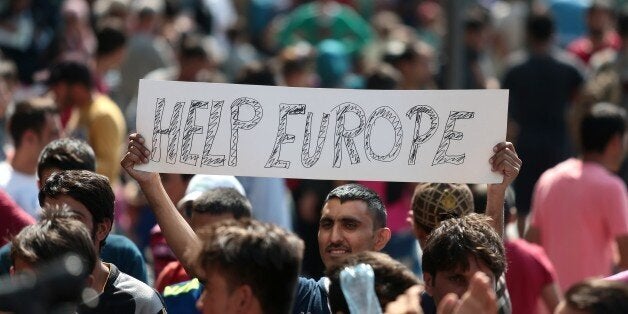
{"x": 104, "y": 237}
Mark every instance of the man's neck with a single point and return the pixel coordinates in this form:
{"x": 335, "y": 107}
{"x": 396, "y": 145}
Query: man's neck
{"x": 101, "y": 275}
{"x": 598, "y": 159}
{"x": 24, "y": 162}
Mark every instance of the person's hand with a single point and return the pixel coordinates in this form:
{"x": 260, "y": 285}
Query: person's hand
{"x": 479, "y": 298}
{"x": 506, "y": 162}
{"x": 406, "y": 303}
{"x": 137, "y": 154}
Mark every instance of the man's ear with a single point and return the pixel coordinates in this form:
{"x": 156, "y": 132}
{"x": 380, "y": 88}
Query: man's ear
{"x": 429, "y": 283}
{"x": 382, "y": 237}
{"x": 102, "y": 229}
{"x": 616, "y": 143}
{"x": 244, "y": 298}
{"x": 12, "y": 270}
{"x": 29, "y": 137}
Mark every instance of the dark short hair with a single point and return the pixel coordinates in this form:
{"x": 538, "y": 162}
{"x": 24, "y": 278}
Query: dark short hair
{"x": 622, "y": 24}
{"x": 86, "y": 187}
{"x": 110, "y": 37}
{"x": 540, "y": 27}
{"x": 57, "y": 233}
{"x": 255, "y": 73}
{"x": 392, "y": 278}
{"x": 600, "y": 124}
{"x": 220, "y": 201}
{"x": 30, "y": 115}
{"x": 193, "y": 46}
{"x": 598, "y": 296}
{"x": 358, "y": 192}
{"x": 66, "y": 154}
{"x": 263, "y": 256}
{"x": 450, "y": 245}
{"x": 70, "y": 72}
{"x": 383, "y": 77}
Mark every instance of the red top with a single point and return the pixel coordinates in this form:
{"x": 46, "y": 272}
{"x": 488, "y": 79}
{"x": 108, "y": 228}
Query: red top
{"x": 529, "y": 271}
{"x": 583, "y": 48}
{"x": 12, "y": 218}
{"x": 171, "y": 274}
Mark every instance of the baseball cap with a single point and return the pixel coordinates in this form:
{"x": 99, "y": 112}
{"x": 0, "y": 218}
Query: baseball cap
{"x": 203, "y": 182}
{"x": 435, "y": 202}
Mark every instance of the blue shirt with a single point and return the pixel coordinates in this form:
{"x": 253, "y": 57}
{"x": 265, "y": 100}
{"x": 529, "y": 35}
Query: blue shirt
{"x": 118, "y": 250}
{"x": 182, "y": 297}
{"x": 311, "y": 297}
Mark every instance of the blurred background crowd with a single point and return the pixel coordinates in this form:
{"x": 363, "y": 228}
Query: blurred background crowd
{"x": 557, "y": 58}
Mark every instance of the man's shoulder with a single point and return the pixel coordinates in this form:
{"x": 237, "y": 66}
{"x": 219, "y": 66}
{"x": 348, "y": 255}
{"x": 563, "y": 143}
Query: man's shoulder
{"x": 124, "y": 290}
{"x": 122, "y": 252}
{"x": 120, "y": 243}
{"x": 103, "y": 106}
{"x": 311, "y": 297}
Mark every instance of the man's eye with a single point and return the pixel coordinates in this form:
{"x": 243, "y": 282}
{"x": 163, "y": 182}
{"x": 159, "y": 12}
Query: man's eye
{"x": 457, "y": 280}
{"x": 325, "y": 224}
{"x": 351, "y": 225}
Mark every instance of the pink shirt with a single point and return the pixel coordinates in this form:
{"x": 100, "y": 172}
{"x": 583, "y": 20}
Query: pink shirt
{"x": 579, "y": 209}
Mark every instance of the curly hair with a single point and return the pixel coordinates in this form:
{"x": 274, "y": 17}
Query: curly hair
{"x": 451, "y": 244}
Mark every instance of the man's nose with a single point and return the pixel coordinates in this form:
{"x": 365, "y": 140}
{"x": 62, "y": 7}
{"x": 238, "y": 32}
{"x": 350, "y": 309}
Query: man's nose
{"x": 336, "y": 234}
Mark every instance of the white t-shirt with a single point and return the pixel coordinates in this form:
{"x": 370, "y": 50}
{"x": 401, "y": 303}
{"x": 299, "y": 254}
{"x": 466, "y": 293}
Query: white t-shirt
{"x": 21, "y": 187}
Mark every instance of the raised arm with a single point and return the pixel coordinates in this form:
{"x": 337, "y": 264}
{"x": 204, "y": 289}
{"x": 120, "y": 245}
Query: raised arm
{"x": 506, "y": 162}
{"x": 179, "y": 235}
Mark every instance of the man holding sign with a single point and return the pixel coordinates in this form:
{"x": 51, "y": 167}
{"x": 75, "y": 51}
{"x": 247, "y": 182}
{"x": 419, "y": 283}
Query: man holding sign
{"x": 340, "y": 220}
{"x": 372, "y": 137}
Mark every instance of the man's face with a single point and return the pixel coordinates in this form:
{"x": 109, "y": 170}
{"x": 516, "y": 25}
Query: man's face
{"x": 62, "y": 95}
{"x": 51, "y": 130}
{"x": 83, "y": 214}
{"x": 347, "y": 228}
{"x": 217, "y": 297}
{"x": 200, "y": 220}
{"x": 598, "y": 21}
{"x": 19, "y": 265}
{"x": 98, "y": 231}
{"x": 456, "y": 281}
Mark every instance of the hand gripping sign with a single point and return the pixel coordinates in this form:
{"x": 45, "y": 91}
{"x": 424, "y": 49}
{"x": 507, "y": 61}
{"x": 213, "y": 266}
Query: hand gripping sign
{"x": 313, "y": 133}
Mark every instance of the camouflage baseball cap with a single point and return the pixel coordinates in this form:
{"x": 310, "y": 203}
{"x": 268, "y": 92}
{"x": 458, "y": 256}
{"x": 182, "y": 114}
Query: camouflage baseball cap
{"x": 435, "y": 202}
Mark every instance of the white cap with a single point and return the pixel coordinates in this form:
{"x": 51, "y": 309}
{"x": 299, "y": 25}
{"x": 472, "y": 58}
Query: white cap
{"x": 204, "y": 182}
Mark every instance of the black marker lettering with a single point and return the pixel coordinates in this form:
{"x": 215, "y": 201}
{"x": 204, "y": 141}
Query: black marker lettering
{"x": 212, "y": 128}
{"x": 172, "y": 131}
{"x": 419, "y": 138}
{"x": 307, "y": 160}
{"x": 282, "y": 137}
{"x": 450, "y": 134}
{"x": 391, "y": 116}
{"x": 237, "y": 124}
{"x": 348, "y": 135}
{"x": 188, "y": 133}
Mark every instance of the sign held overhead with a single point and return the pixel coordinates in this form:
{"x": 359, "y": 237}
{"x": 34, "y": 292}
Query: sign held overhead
{"x": 268, "y": 131}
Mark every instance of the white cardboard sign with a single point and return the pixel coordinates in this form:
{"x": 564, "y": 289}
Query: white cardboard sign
{"x": 268, "y": 131}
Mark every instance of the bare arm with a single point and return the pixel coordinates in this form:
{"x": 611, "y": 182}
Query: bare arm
{"x": 533, "y": 235}
{"x": 179, "y": 235}
{"x": 622, "y": 245}
{"x": 506, "y": 162}
{"x": 550, "y": 296}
